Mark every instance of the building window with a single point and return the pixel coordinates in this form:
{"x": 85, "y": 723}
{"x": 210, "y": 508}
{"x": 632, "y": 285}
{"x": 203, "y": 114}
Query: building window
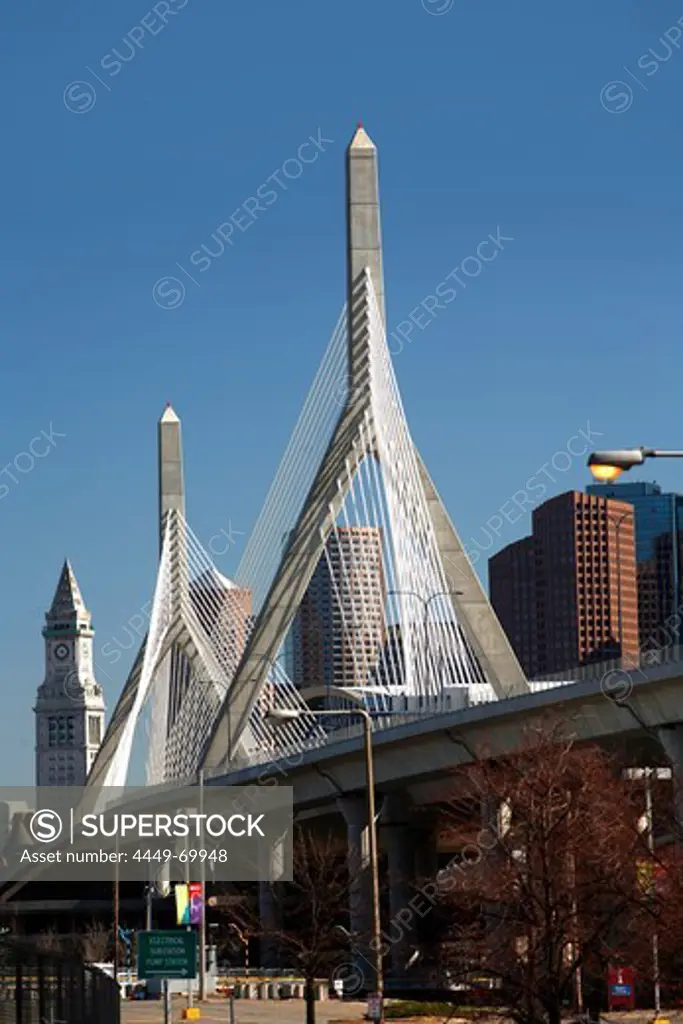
{"x": 60, "y": 731}
{"x": 94, "y": 730}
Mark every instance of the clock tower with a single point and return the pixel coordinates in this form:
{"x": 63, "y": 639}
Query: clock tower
{"x": 70, "y": 706}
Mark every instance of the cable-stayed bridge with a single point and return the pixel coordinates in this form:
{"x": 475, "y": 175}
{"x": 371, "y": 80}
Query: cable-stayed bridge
{"x": 401, "y": 619}
{"x": 354, "y": 579}
{"x": 354, "y": 576}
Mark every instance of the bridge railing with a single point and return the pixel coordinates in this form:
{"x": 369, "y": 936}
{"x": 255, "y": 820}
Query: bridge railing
{"x": 645, "y": 662}
{"x": 406, "y": 710}
{"x": 37, "y": 987}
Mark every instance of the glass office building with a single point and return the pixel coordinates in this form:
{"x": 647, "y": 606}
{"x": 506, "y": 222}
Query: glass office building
{"x": 659, "y": 534}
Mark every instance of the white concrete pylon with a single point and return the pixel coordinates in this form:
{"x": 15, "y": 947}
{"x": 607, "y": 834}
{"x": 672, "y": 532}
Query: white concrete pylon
{"x": 198, "y": 627}
{"x": 176, "y": 648}
{"x": 184, "y": 666}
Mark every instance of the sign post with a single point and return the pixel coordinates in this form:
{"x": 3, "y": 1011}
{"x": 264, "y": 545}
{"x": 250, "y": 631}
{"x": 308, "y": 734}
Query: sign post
{"x": 168, "y": 1016}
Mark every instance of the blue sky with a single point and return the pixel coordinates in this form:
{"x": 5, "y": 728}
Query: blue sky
{"x": 488, "y": 116}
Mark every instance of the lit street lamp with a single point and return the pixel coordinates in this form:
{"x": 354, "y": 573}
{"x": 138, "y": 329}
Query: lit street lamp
{"x": 290, "y": 714}
{"x": 608, "y": 465}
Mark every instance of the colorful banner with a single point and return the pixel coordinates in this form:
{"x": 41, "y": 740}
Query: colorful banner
{"x": 196, "y": 902}
{"x": 652, "y": 878}
{"x": 182, "y": 904}
{"x": 646, "y": 876}
{"x": 189, "y": 903}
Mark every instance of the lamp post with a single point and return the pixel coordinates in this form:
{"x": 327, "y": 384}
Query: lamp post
{"x": 608, "y": 465}
{"x": 149, "y": 896}
{"x": 202, "y": 862}
{"x": 202, "y": 922}
{"x": 426, "y": 601}
{"x": 290, "y": 714}
{"x": 116, "y": 920}
{"x": 648, "y": 774}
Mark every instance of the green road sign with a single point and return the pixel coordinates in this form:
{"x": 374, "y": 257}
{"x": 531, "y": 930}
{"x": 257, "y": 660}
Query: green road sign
{"x": 171, "y": 954}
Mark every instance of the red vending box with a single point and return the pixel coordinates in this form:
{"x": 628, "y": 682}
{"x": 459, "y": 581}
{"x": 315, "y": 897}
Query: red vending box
{"x": 621, "y": 988}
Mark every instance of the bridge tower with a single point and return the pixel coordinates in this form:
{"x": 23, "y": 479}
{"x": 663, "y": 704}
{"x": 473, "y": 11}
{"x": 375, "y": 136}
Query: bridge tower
{"x": 351, "y": 466}
{"x": 430, "y": 561}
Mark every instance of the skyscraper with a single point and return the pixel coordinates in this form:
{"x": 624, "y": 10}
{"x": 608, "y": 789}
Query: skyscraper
{"x": 70, "y": 706}
{"x": 338, "y": 632}
{"x": 659, "y": 548}
{"x": 512, "y": 577}
{"x": 567, "y": 595}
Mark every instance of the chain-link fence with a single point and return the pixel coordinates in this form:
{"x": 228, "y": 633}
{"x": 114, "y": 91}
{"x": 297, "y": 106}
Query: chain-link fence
{"x": 49, "y": 988}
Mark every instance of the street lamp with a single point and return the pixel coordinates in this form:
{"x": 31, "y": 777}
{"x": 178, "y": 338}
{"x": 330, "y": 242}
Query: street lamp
{"x": 291, "y": 714}
{"x": 608, "y": 465}
{"x": 202, "y": 863}
{"x": 648, "y": 774}
{"x": 426, "y": 601}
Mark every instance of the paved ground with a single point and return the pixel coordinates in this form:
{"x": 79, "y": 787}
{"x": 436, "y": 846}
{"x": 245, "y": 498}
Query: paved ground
{"x": 247, "y": 1011}
{"x": 291, "y": 1011}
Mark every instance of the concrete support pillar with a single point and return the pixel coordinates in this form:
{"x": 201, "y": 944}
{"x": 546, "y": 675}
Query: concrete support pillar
{"x": 425, "y": 854}
{"x": 489, "y": 813}
{"x": 355, "y": 811}
{"x": 671, "y": 739}
{"x": 398, "y": 841}
{"x": 272, "y": 869}
{"x": 495, "y": 820}
{"x": 270, "y": 922}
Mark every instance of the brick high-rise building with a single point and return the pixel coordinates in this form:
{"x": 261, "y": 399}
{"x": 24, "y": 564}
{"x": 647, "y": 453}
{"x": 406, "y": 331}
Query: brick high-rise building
{"x": 567, "y": 595}
{"x": 339, "y": 630}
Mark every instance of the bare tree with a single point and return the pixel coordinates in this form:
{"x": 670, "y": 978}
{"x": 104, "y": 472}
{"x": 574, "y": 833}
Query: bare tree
{"x": 550, "y": 886}
{"x": 308, "y": 911}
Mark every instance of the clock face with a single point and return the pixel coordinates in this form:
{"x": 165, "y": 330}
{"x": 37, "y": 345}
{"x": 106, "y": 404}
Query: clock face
{"x": 61, "y": 652}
